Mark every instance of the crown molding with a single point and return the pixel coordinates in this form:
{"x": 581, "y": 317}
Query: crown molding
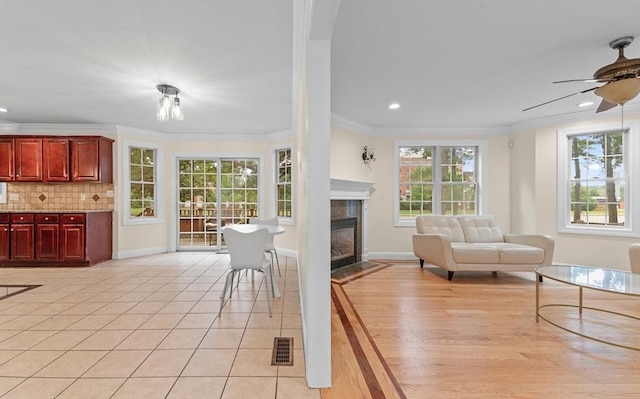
{"x": 632, "y": 111}
{"x": 65, "y": 129}
{"x": 589, "y": 115}
{"x": 345, "y": 123}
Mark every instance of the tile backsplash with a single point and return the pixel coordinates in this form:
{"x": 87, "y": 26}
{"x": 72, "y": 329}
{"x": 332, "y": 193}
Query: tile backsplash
{"x": 59, "y": 197}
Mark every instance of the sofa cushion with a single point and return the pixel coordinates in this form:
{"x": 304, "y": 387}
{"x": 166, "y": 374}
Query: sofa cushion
{"x": 447, "y": 225}
{"x": 474, "y": 253}
{"x": 481, "y": 229}
{"x": 517, "y": 253}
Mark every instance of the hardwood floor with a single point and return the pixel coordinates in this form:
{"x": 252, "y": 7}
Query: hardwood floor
{"x": 399, "y": 331}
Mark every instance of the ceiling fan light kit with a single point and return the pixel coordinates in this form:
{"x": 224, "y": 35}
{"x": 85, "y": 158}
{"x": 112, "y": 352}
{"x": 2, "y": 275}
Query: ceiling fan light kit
{"x": 619, "y": 92}
{"x": 621, "y": 78}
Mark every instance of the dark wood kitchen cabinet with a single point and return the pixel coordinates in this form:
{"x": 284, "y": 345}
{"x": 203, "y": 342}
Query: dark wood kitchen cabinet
{"x": 28, "y": 159}
{"x": 21, "y": 159}
{"x": 6, "y": 160}
{"x": 72, "y": 230}
{"x": 4, "y": 236}
{"x": 21, "y": 236}
{"x": 91, "y": 159}
{"x": 56, "y": 159}
{"x": 52, "y": 239}
{"x": 47, "y": 236}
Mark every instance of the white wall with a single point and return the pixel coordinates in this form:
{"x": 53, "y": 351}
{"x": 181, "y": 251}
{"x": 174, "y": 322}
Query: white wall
{"x": 135, "y": 240}
{"x": 346, "y": 155}
{"x": 534, "y": 187}
{"x": 385, "y": 240}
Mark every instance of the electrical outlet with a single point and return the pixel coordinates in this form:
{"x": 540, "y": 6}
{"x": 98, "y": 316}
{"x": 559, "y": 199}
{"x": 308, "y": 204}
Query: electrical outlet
{"x": 109, "y": 193}
{"x": 14, "y": 196}
{"x": 83, "y": 197}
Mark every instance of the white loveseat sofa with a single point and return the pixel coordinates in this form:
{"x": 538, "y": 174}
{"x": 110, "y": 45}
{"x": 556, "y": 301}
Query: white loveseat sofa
{"x": 476, "y": 243}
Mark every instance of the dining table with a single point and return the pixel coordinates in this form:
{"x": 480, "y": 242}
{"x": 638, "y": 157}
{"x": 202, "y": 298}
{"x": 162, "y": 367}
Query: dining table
{"x": 251, "y": 228}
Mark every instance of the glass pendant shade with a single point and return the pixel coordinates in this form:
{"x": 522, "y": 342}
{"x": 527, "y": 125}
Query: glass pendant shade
{"x": 176, "y": 111}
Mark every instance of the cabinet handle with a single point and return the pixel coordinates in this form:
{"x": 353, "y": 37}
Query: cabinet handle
{"x": 46, "y": 218}
{"x": 71, "y": 218}
{"x": 21, "y": 218}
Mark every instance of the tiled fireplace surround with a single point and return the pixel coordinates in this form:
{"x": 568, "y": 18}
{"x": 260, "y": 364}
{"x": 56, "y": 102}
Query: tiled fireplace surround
{"x": 34, "y": 197}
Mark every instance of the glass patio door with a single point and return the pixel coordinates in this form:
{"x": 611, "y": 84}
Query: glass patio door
{"x": 214, "y": 192}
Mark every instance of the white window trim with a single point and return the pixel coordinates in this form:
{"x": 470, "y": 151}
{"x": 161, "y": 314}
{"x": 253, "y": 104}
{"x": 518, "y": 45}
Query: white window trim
{"x": 274, "y": 181}
{"x": 632, "y": 195}
{"x": 482, "y": 176}
{"x": 158, "y": 211}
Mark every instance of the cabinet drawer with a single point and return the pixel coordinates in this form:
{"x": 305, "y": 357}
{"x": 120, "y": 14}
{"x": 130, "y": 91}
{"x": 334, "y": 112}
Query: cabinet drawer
{"x": 72, "y": 218}
{"x": 4, "y": 218}
{"x": 47, "y": 218}
{"x": 22, "y": 218}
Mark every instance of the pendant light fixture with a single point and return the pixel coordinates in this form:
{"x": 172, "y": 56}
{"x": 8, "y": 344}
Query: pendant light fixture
{"x": 166, "y": 108}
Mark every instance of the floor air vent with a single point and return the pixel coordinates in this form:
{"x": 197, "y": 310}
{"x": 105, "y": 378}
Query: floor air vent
{"x": 282, "y": 351}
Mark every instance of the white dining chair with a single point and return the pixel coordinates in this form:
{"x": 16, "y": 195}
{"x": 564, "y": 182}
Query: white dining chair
{"x": 246, "y": 251}
{"x": 270, "y": 246}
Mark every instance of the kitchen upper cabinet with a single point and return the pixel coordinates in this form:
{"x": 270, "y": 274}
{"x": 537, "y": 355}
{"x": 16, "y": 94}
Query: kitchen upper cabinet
{"x": 91, "y": 159}
{"x": 6, "y": 160}
{"x": 56, "y": 159}
{"x": 28, "y": 159}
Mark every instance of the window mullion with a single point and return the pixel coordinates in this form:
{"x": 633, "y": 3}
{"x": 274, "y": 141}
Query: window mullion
{"x": 437, "y": 181}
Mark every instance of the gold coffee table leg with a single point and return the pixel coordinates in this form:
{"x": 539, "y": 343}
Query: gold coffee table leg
{"x": 580, "y": 300}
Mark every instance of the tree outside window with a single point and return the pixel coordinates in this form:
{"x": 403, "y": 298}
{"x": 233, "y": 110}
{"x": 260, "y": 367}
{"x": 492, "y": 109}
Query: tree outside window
{"x": 142, "y": 180}
{"x": 437, "y": 180}
{"x": 597, "y": 179}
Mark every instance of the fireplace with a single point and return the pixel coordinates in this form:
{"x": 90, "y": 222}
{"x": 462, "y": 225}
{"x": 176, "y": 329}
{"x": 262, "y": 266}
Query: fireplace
{"x": 349, "y": 204}
{"x": 346, "y": 232}
{"x": 344, "y": 242}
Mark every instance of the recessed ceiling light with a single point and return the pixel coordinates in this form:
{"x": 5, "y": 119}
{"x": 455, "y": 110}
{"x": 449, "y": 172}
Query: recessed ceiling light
{"x": 3, "y": 109}
{"x": 394, "y": 106}
{"x": 585, "y": 104}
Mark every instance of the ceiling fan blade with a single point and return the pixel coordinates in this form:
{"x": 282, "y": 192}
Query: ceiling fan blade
{"x": 545, "y": 103}
{"x": 582, "y": 80}
{"x": 605, "y": 105}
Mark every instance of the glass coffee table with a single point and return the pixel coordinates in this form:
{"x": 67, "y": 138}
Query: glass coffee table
{"x": 594, "y": 278}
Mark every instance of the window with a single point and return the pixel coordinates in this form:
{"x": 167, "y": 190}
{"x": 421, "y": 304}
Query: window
{"x": 440, "y": 178}
{"x": 142, "y": 182}
{"x": 594, "y": 184}
{"x": 141, "y": 191}
{"x": 283, "y": 183}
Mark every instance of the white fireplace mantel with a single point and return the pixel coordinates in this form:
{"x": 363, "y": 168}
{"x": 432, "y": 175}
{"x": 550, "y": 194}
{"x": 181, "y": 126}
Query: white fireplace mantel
{"x": 350, "y": 189}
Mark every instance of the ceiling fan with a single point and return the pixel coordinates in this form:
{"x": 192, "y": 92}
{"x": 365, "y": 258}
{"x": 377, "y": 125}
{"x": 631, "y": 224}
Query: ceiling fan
{"x": 621, "y": 79}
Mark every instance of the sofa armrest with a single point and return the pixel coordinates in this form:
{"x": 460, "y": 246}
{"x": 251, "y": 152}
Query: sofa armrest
{"x": 544, "y": 242}
{"x": 435, "y": 249}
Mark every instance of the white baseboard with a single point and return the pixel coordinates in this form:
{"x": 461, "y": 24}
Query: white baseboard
{"x": 139, "y": 252}
{"x": 393, "y": 255}
{"x": 287, "y": 252}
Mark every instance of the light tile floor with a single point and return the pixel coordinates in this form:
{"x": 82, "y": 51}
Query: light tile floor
{"x": 147, "y": 328}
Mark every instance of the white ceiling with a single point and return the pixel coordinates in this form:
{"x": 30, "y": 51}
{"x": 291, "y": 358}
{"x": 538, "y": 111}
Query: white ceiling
{"x": 450, "y": 64}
